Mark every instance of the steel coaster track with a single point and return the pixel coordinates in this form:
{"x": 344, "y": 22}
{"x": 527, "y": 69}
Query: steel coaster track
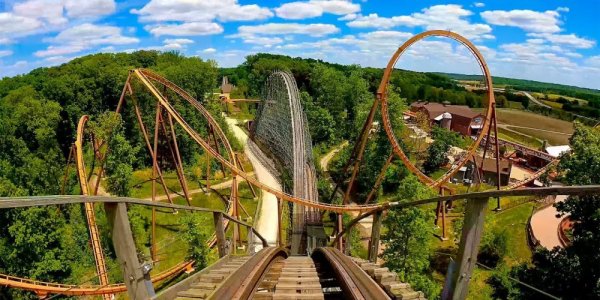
{"x": 146, "y": 77}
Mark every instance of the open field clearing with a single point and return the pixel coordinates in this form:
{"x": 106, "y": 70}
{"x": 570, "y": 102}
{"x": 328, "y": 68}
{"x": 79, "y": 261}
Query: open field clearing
{"x": 553, "y": 138}
{"x": 554, "y": 97}
{"x": 527, "y": 119}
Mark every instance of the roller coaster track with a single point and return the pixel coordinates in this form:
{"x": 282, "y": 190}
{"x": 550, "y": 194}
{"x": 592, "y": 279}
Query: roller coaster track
{"x": 382, "y": 96}
{"x": 146, "y": 78}
{"x": 89, "y": 207}
{"x": 43, "y": 289}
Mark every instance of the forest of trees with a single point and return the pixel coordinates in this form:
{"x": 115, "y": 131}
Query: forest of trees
{"x": 38, "y": 116}
{"x": 39, "y": 112}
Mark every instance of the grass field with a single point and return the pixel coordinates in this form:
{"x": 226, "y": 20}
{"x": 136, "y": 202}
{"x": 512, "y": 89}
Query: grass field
{"x": 553, "y": 104}
{"x": 531, "y": 121}
{"x": 528, "y": 119}
{"x": 552, "y": 138}
{"x": 519, "y": 138}
{"x": 554, "y": 97}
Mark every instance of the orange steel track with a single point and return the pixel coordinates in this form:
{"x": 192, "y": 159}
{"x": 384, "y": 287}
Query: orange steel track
{"x": 145, "y": 77}
{"x": 383, "y": 98}
{"x": 89, "y": 207}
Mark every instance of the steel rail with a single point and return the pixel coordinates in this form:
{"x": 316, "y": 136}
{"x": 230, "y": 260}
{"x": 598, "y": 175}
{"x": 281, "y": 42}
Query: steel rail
{"x": 233, "y": 167}
{"x": 80, "y": 290}
{"x": 355, "y": 283}
{"x": 544, "y": 191}
{"x": 383, "y": 97}
{"x": 90, "y": 213}
{"x": 205, "y": 113}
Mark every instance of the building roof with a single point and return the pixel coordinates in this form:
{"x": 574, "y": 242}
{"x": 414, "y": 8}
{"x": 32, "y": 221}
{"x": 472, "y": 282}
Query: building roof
{"x": 435, "y": 109}
{"x": 489, "y": 165}
{"x": 556, "y": 151}
{"x": 226, "y": 87}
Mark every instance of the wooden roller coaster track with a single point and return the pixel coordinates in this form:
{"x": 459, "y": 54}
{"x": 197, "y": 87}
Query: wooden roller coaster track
{"x": 229, "y": 162}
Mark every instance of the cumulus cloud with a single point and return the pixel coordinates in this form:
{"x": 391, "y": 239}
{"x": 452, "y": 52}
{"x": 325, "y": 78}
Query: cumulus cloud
{"x": 186, "y": 29}
{"x": 570, "y": 40}
{"x": 83, "y": 37}
{"x": 190, "y": 18}
{"x": 12, "y": 24}
{"x": 209, "y": 50}
{"x": 315, "y": 30}
{"x": 200, "y": 11}
{"x": 479, "y": 4}
{"x": 452, "y": 17}
{"x": 315, "y": 8}
{"x": 528, "y": 20}
{"x": 89, "y": 8}
{"x": 39, "y": 16}
{"x": 4, "y": 53}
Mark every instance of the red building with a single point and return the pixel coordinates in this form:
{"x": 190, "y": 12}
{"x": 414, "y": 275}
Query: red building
{"x": 459, "y": 118}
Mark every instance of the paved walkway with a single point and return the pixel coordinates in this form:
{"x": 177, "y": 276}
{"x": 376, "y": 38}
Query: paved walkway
{"x": 266, "y": 224}
{"x": 544, "y": 224}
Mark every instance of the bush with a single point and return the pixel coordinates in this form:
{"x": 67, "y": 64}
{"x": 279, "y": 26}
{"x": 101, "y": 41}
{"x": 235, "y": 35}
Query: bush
{"x": 495, "y": 247}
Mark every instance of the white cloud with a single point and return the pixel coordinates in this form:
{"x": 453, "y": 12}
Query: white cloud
{"x": 89, "y": 8}
{"x": 209, "y": 50}
{"x": 570, "y": 40}
{"x": 186, "y": 29}
{"x": 178, "y": 41}
{"x": 41, "y": 16}
{"x": 85, "y": 36}
{"x": 298, "y": 10}
{"x": 528, "y": 20}
{"x": 450, "y": 17}
{"x": 479, "y": 4}
{"x": 200, "y": 11}
{"x": 316, "y": 8}
{"x": 49, "y": 11}
{"x": 4, "y": 53}
{"x": 59, "y": 50}
{"x": 4, "y": 41}
{"x": 348, "y": 17}
{"x": 11, "y": 24}
{"x": 91, "y": 34}
{"x": 315, "y": 30}
{"x": 563, "y": 9}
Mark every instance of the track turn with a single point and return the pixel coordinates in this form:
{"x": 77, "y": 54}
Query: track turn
{"x": 382, "y": 94}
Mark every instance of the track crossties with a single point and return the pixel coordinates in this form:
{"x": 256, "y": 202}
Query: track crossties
{"x": 282, "y": 128}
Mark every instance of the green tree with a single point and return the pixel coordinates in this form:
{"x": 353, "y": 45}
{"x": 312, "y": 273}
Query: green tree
{"x": 408, "y": 238}
{"x": 573, "y": 272}
{"x": 196, "y": 239}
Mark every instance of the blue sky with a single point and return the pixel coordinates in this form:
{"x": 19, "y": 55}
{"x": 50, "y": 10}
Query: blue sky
{"x": 551, "y": 41}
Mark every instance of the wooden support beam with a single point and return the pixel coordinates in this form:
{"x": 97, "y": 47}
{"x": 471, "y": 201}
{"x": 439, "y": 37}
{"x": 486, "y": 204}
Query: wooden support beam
{"x": 279, "y": 220}
{"x": 220, "y": 233}
{"x": 137, "y": 286}
{"x": 340, "y": 228}
{"x": 468, "y": 249}
{"x": 375, "y": 235}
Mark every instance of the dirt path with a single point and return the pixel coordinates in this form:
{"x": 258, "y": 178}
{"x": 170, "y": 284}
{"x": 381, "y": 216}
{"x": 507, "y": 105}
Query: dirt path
{"x": 218, "y": 186}
{"x": 266, "y": 224}
{"x": 544, "y": 225}
{"x": 324, "y": 162}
